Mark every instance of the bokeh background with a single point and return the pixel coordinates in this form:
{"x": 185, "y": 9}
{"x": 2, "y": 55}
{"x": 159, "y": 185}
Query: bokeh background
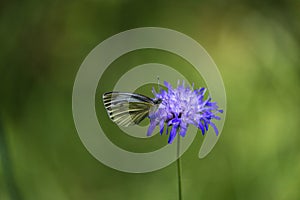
{"x": 256, "y": 45}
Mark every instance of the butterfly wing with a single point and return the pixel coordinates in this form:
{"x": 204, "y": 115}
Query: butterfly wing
{"x": 127, "y": 108}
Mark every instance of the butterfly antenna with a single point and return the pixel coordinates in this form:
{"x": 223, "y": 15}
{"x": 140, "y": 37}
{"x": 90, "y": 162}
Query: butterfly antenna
{"x": 159, "y": 88}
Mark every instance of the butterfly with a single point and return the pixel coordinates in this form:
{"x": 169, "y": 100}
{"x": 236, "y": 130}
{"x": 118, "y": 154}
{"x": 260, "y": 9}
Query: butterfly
{"x": 127, "y": 109}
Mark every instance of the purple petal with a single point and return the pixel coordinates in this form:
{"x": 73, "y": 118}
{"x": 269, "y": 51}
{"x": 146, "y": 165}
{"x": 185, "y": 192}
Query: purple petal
{"x": 202, "y": 128}
{"x": 167, "y": 131}
{"x": 176, "y": 120}
{"x": 205, "y": 124}
{"x": 161, "y": 126}
{"x": 172, "y": 134}
{"x": 217, "y": 117}
{"x": 168, "y": 85}
{"x": 215, "y": 128}
{"x": 183, "y": 129}
{"x": 151, "y": 129}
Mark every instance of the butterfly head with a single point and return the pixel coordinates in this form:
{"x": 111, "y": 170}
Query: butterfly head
{"x": 157, "y": 101}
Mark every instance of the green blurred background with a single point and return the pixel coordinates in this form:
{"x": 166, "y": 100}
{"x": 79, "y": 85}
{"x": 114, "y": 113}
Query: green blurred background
{"x": 256, "y": 45}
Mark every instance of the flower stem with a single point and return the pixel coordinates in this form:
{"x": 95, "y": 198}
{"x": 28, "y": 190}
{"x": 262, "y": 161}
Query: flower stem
{"x": 179, "y": 169}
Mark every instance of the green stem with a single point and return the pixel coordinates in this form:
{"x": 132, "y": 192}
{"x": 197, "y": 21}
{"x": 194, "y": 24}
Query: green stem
{"x": 179, "y": 169}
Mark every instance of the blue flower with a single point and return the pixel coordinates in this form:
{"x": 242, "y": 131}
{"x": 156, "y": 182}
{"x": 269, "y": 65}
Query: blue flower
{"x": 180, "y": 107}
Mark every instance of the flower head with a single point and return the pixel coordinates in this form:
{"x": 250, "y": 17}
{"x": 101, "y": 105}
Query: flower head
{"x": 180, "y": 107}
